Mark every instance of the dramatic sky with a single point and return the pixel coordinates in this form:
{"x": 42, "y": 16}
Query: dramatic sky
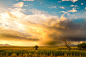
{"x": 42, "y": 22}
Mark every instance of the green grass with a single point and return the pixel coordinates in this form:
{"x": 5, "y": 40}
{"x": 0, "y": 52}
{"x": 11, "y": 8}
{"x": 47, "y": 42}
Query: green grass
{"x": 42, "y": 51}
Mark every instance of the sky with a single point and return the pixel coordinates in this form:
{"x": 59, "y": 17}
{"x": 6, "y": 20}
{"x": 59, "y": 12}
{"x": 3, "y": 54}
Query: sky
{"x": 42, "y": 22}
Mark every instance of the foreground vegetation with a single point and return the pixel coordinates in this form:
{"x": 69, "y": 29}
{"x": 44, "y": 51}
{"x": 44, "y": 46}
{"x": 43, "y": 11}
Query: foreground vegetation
{"x": 41, "y": 52}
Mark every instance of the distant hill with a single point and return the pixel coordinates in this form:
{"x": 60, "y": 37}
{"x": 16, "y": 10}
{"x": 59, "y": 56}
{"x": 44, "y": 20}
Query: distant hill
{"x": 5, "y": 45}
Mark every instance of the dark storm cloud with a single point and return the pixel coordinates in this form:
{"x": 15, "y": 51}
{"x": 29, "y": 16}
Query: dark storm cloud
{"x": 76, "y": 38}
{"x": 69, "y": 29}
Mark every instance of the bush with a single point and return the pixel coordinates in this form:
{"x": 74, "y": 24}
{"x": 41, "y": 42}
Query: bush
{"x": 82, "y": 46}
{"x": 36, "y": 47}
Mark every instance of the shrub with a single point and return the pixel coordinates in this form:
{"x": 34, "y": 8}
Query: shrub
{"x": 82, "y": 46}
{"x": 36, "y": 47}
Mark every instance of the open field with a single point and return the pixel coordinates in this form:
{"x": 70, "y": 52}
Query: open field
{"x": 15, "y": 51}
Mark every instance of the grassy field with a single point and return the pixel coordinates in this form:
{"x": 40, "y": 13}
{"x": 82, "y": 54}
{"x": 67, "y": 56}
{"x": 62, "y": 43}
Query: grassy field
{"x": 16, "y": 51}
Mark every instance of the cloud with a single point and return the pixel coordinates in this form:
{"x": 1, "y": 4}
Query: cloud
{"x": 75, "y": 18}
{"x": 10, "y": 15}
{"x": 25, "y": 5}
{"x": 28, "y": 0}
{"x": 71, "y": 0}
{"x": 68, "y": 14}
{"x": 81, "y": 3}
{"x": 59, "y": 1}
{"x": 64, "y": 12}
{"x": 75, "y": 6}
{"x": 25, "y": 25}
{"x": 71, "y": 5}
{"x": 85, "y": 7}
{"x": 63, "y": 18}
{"x": 35, "y": 11}
{"x": 52, "y": 7}
{"x": 15, "y": 37}
{"x": 10, "y": 35}
{"x": 30, "y": 4}
{"x": 78, "y": 14}
{"x": 62, "y": 7}
{"x": 73, "y": 10}
{"x": 19, "y": 4}
{"x": 39, "y": 28}
{"x": 85, "y": 20}
{"x": 40, "y": 2}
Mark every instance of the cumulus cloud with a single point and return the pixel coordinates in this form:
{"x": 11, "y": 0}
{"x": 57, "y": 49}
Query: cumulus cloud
{"x": 71, "y": 0}
{"x": 28, "y": 0}
{"x": 62, "y": 7}
{"x": 81, "y": 3}
{"x": 85, "y": 7}
{"x": 25, "y": 5}
{"x": 19, "y": 4}
{"x": 34, "y": 29}
{"x": 10, "y": 15}
{"x": 59, "y": 1}
{"x": 52, "y": 7}
{"x": 71, "y": 5}
{"x": 39, "y": 28}
{"x": 63, "y": 18}
{"x": 73, "y": 10}
{"x": 75, "y": 6}
{"x": 75, "y": 18}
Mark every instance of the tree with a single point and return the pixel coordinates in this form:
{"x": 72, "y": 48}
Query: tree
{"x": 82, "y": 46}
{"x": 66, "y": 44}
{"x": 36, "y": 47}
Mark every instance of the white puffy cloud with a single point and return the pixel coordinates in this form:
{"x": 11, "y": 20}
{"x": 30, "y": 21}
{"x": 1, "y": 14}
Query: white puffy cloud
{"x": 70, "y": 0}
{"x": 75, "y": 6}
{"x": 62, "y": 7}
{"x": 19, "y": 4}
{"x": 59, "y": 1}
{"x": 28, "y": 0}
{"x": 63, "y": 18}
{"x": 64, "y": 12}
{"x": 39, "y": 15}
{"x": 52, "y": 7}
{"x": 73, "y": 10}
{"x": 85, "y": 7}
{"x": 71, "y": 5}
{"x": 75, "y": 18}
{"x": 81, "y": 3}
{"x": 25, "y": 5}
